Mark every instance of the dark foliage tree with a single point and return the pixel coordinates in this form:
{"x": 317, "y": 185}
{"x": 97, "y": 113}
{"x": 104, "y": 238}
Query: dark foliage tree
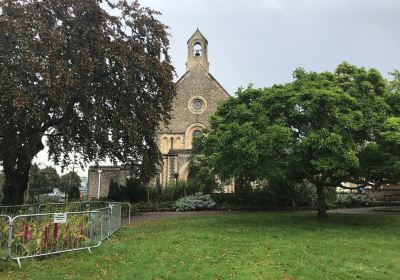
{"x": 74, "y": 193}
{"x": 116, "y": 192}
{"x": 92, "y": 77}
{"x": 136, "y": 191}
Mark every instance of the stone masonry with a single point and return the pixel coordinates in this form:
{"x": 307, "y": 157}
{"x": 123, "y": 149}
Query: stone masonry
{"x": 198, "y": 95}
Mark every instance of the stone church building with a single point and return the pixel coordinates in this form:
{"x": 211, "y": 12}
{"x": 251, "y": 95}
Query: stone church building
{"x": 198, "y": 95}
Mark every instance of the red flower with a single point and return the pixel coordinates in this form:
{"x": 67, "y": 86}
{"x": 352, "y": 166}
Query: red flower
{"x": 27, "y": 234}
{"x": 55, "y": 231}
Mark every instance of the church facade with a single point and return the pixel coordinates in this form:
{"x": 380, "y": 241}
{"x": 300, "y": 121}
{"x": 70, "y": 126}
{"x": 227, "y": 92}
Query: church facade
{"x": 198, "y": 95}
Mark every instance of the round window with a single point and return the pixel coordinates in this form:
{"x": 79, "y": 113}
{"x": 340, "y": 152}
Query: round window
{"x": 197, "y": 105}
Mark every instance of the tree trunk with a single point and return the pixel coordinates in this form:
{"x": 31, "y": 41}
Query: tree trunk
{"x": 16, "y": 165}
{"x": 16, "y": 182}
{"x": 321, "y": 202}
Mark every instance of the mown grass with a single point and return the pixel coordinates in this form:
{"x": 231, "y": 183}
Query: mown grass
{"x": 235, "y": 246}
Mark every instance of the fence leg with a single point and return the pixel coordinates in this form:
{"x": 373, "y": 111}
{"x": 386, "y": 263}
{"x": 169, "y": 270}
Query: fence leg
{"x": 19, "y": 263}
{"x": 110, "y": 223}
{"x": 89, "y": 250}
{"x": 10, "y": 228}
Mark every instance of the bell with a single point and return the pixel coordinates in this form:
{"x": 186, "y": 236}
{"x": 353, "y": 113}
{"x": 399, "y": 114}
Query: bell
{"x": 197, "y": 53}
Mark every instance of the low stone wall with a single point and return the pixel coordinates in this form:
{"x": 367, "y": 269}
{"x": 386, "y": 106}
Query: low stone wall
{"x": 108, "y": 173}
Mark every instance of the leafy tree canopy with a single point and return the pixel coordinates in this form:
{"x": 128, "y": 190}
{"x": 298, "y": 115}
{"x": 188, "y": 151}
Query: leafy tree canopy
{"x": 43, "y": 181}
{"x": 92, "y": 77}
{"x": 312, "y": 128}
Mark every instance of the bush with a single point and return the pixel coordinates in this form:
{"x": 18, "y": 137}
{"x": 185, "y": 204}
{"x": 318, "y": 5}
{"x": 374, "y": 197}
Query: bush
{"x": 269, "y": 196}
{"x": 286, "y": 194}
{"x": 197, "y": 201}
{"x": 155, "y": 206}
{"x": 135, "y": 190}
{"x": 116, "y": 192}
{"x": 173, "y": 191}
{"x": 351, "y": 200}
{"x": 193, "y": 187}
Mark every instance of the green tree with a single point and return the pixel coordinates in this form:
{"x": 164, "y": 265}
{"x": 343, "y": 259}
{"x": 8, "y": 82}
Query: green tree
{"x": 380, "y": 157}
{"x": 69, "y": 183}
{"x": 44, "y": 180}
{"x": 311, "y": 129}
{"x": 90, "y": 77}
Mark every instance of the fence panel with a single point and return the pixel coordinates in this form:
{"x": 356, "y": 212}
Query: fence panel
{"x": 5, "y": 222}
{"x": 126, "y": 211}
{"x": 52, "y": 228}
{"x": 51, "y": 233}
{"x": 115, "y": 217}
{"x": 72, "y": 206}
{"x": 106, "y": 222}
{"x": 15, "y": 210}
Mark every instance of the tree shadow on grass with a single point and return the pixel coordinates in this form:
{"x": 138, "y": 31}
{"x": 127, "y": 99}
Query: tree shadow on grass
{"x": 302, "y": 221}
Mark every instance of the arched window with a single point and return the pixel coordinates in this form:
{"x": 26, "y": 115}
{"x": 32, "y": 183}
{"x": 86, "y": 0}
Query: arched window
{"x": 195, "y": 145}
{"x": 197, "y": 49}
{"x": 196, "y": 133}
{"x": 164, "y": 145}
{"x": 178, "y": 143}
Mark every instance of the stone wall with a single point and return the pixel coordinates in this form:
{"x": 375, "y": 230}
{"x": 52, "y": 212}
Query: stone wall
{"x": 108, "y": 173}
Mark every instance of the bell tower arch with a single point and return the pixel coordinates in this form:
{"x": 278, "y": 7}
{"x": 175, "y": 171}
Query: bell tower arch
{"x": 197, "y": 51}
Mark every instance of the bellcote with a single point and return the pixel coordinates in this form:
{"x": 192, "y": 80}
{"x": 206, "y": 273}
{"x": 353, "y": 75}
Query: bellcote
{"x": 197, "y": 51}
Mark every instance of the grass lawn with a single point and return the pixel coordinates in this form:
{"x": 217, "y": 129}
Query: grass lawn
{"x": 235, "y": 246}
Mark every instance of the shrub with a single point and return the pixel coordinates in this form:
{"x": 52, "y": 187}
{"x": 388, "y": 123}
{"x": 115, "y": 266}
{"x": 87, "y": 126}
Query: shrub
{"x": 289, "y": 194}
{"x": 135, "y": 190}
{"x": 155, "y": 206}
{"x": 116, "y": 192}
{"x": 197, "y": 201}
{"x": 173, "y": 191}
{"x": 193, "y": 187}
{"x": 350, "y": 199}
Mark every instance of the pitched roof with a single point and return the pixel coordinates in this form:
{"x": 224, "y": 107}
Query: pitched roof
{"x": 197, "y": 31}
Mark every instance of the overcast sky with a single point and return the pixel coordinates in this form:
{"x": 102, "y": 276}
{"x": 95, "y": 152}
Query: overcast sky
{"x": 263, "y": 41}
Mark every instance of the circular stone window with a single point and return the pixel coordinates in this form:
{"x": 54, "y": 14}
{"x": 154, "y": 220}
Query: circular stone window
{"x": 197, "y": 104}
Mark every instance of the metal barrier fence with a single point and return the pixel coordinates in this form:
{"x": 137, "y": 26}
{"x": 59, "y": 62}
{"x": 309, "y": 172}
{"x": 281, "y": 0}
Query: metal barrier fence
{"x": 5, "y": 231}
{"x": 87, "y": 206}
{"x": 63, "y": 230}
{"x": 115, "y": 217}
{"x": 106, "y": 226}
{"x": 126, "y": 211}
{"x": 45, "y": 234}
{"x": 19, "y": 209}
{"x": 71, "y": 206}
